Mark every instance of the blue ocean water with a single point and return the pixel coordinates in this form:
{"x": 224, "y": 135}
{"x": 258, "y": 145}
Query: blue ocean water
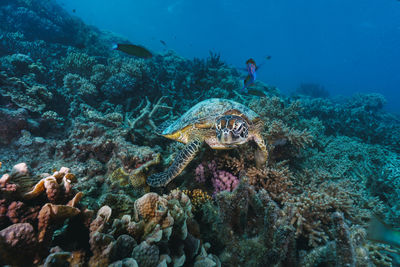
{"x": 345, "y": 46}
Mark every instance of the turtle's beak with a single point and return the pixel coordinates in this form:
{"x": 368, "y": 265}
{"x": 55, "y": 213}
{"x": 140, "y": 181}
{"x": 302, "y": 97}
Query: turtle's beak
{"x": 226, "y": 137}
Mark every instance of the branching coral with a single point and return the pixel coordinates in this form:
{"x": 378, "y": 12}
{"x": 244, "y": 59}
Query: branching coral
{"x": 278, "y": 134}
{"x": 310, "y": 211}
{"x": 81, "y": 63}
{"x": 274, "y": 108}
{"x": 79, "y": 87}
{"x": 146, "y": 114}
{"x": 275, "y": 179}
{"x": 360, "y": 116}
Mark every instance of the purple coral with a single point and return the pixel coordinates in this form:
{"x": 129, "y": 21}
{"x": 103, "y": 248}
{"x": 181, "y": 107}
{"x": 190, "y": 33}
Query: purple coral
{"x": 224, "y": 181}
{"x": 200, "y": 175}
{"x": 221, "y": 180}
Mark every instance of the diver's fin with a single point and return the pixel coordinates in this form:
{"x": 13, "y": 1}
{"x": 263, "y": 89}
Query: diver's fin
{"x": 114, "y": 47}
{"x": 246, "y": 80}
{"x": 180, "y": 162}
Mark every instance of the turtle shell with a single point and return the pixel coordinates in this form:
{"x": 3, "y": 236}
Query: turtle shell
{"x": 204, "y": 114}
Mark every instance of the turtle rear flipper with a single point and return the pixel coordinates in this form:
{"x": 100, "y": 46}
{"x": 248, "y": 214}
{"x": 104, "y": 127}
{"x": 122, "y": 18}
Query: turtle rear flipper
{"x": 180, "y": 162}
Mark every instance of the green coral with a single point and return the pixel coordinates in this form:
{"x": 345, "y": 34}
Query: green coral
{"x": 120, "y": 176}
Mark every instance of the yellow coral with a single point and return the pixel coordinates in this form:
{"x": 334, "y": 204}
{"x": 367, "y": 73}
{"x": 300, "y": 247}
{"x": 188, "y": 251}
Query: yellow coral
{"x": 120, "y": 176}
{"x": 198, "y": 197}
{"x": 137, "y": 176}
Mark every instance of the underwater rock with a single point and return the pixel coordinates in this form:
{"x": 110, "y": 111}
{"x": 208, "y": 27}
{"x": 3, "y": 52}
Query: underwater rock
{"x": 12, "y": 122}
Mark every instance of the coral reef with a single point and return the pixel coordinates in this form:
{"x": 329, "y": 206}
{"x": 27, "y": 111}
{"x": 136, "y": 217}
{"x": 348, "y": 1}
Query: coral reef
{"x": 147, "y": 237}
{"x": 68, "y": 100}
{"x": 360, "y": 116}
{"x": 29, "y": 218}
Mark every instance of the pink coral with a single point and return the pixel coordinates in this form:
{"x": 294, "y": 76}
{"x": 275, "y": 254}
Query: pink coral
{"x": 224, "y": 181}
{"x": 200, "y": 175}
{"x": 212, "y": 166}
{"x": 5, "y": 186}
{"x": 221, "y": 180}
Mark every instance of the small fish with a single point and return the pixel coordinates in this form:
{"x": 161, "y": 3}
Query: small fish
{"x": 164, "y": 43}
{"x": 133, "y": 50}
{"x": 268, "y": 57}
{"x": 382, "y": 233}
{"x": 73, "y": 10}
{"x": 0, "y": 164}
{"x": 256, "y": 92}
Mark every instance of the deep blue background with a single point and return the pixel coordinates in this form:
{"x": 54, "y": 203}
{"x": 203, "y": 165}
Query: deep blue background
{"x": 346, "y": 46}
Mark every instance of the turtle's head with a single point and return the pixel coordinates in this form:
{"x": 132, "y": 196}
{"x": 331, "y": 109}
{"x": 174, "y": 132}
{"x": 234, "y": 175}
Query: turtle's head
{"x": 232, "y": 130}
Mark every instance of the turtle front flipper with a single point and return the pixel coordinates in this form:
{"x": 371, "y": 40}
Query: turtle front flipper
{"x": 261, "y": 144}
{"x": 180, "y": 162}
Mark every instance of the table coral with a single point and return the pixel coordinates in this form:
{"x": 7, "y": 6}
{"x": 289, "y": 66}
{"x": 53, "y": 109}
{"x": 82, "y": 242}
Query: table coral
{"x": 26, "y": 95}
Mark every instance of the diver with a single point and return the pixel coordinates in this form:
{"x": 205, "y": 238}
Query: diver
{"x": 251, "y": 68}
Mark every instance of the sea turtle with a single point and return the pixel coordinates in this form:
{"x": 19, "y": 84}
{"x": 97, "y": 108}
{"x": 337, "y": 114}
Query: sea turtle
{"x": 221, "y": 123}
